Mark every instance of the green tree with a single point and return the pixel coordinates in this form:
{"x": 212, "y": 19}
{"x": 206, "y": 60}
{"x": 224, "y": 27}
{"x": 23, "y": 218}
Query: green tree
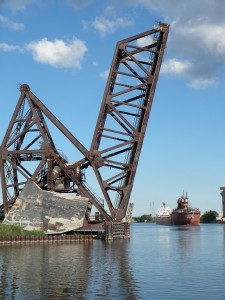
{"x": 209, "y": 216}
{"x": 146, "y": 218}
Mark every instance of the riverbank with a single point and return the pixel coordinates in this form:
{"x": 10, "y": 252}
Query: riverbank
{"x": 16, "y": 235}
{"x": 47, "y": 239}
{"x": 14, "y": 230}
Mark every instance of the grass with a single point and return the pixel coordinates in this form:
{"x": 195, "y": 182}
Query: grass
{"x": 15, "y": 230}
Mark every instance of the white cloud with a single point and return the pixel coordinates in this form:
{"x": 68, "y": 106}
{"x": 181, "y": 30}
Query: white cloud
{"x": 144, "y": 41}
{"x": 85, "y": 25}
{"x": 176, "y": 67}
{"x": 205, "y": 38}
{"x": 189, "y": 71}
{"x": 58, "y": 53}
{"x": 9, "y": 48}
{"x": 77, "y": 4}
{"x": 104, "y": 74}
{"x": 16, "y": 5}
{"x": 203, "y": 44}
{"x": 10, "y": 24}
{"x": 110, "y": 10}
{"x": 106, "y": 26}
{"x": 202, "y": 83}
{"x": 197, "y": 30}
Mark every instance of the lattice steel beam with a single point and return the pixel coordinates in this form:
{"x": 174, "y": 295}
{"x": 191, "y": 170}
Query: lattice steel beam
{"x": 124, "y": 114}
{"x": 117, "y": 139}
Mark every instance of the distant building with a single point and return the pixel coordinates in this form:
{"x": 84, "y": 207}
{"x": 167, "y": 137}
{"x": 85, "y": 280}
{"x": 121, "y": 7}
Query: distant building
{"x": 129, "y": 217}
{"x": 222, "y": 193}
{"x": 220, "y": 217}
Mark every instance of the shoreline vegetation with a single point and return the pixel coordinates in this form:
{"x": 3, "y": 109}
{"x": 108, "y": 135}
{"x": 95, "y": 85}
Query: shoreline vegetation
{"x": 16, "y": 235}
{"x": 15, "y": 230}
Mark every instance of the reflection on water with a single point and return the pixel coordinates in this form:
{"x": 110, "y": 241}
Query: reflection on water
{"x": 156, "y": 261}
{"x": 47, "y": 270}
{"x": 75, "y": 271}
{"x": 184, "y": 228}
{"x": 188, "y": 239}
{"x": 112, "y": 273}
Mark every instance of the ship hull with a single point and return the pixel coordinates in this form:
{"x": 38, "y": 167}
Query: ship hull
{"x": 163, "y": 220}
{"x": 185, "y": 218}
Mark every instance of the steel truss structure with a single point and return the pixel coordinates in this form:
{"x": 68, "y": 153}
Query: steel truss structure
{"x": 28, "y": 150}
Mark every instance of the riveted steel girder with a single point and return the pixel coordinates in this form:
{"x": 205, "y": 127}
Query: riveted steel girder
{"x": 124, "y": 114}
{"x": 117, "y": 139}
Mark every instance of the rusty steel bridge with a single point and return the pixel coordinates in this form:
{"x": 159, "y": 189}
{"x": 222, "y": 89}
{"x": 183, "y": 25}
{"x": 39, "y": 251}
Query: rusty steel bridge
{"x": 117, "y": 139}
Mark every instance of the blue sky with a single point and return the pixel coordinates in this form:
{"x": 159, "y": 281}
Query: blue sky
{"x": 63, "y": 49}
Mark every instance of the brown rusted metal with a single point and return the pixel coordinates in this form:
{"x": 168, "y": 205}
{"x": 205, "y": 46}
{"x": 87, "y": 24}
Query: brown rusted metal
{"x": 117, "y": 139}
{"x": 124, "y": 114}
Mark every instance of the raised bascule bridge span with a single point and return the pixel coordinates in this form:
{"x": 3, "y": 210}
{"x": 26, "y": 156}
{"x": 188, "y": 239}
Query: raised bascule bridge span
{"x": 114, "y": 152}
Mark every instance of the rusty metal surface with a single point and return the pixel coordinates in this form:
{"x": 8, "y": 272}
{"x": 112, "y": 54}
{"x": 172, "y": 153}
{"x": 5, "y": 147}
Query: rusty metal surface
{"x": 51, "y": 211}
{"x": 124, "y": 114}
{"x": 117, "y": 139}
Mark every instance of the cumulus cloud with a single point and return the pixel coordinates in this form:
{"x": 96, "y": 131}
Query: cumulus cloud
{"x": 176, "y": 66}
{"x": 104, "y": 74}
{"x": 16, "y": 5}
{"x": 9, "y": 48}
{"x": 205, "y": 38}
{"x": 196, "y": 35}
{"x": 106, "y": 26}
{"x": 202, "y": 83}
{"x": 142, "y": 42}
{"x": 77, "y": 4}
{"x": 58, "y": 53}
{"x": 110, "y": 10}
{"x": 4, "y": 21}
{"x": 85, "y": 25}
{"x": 189, "y": 71}
{"x": 203, "y": 44}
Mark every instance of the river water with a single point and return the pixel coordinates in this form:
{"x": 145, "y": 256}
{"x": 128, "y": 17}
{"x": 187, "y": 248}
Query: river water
{"x": 157, "y": 262}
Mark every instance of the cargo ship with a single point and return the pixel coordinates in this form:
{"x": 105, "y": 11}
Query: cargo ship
{"x": 184, "y": 214}
{"x": 163, "y": 216}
